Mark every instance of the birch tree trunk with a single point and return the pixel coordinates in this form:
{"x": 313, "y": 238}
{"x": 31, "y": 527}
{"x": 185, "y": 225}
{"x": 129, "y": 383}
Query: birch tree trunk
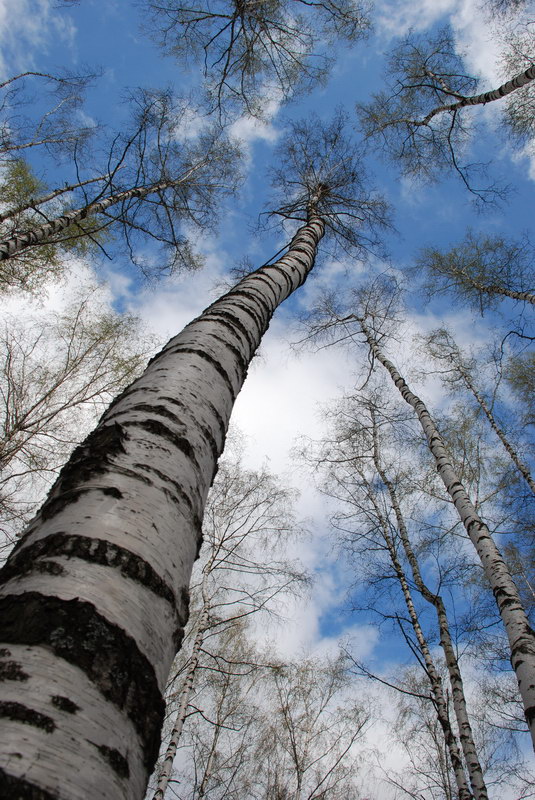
{"x": 519, "y": 632}
{"x": 180, "y": 717}
{"x": 435, "y": 682}
{"x": 519, "y": 464}
{"x": 43, "y": 233}
{"x": 94, "y": 598}
{"x": 473, "y": 764}
{"x": 482, "y": 99}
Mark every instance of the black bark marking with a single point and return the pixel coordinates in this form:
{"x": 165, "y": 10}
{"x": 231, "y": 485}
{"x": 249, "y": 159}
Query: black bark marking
{"x": 11, "y": 671}
{"x": 160, "y": 410}
{"x": 115, "y": 759}
{"x": 54, "y": 505}
{"x": 530, "y": 715}
{"x": 271, "y": 284}
{"x": 13, "y": 788}
{"x": 252, "y": 312}
{"x": 284, "y": 273}
{"x": 266, "y": 312}
{"x": 213, "y": 363}
{"x": 257, "y": 295}
{"x": 21, "y": 713}
{"x": 111, "y": 659}
{"x": 236, "y": 323}
{"x": 64, "y": 704}
{"x": 92, "y": 457}
{"x": 156, "y": 428}
{"x": 163, "y": 477}
{"x": 95, "y": 551}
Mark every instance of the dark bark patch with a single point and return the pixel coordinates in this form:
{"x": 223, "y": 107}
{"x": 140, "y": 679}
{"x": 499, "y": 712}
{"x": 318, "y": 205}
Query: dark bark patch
{"x": 11, "y": 671}
{"x": 95, "y": 551}
{"x": 156, "y": 428}
{"x": 160, "y": 410}
{"x": 18, "y": 789}
{"x": 265, "y": 310}
{"x": 284, "y": 273}
{"x": 90, "y": 458}
{"x": 111, "y": 659}
{"x": 530, "y": 715}
{"x": 236, "y": 323}
{"x": 115, "y": 759}
{"x": 64, "y": 704}
{"x": 21, "y": 713}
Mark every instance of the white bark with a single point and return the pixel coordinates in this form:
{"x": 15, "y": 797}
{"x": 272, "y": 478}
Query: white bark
{"x": 435, "y": 680}
{"x": 473, "y": 764}
{"x": 43, "y": 233}
{"x": 519, "y": 632}
{"x": 97, "y": 587}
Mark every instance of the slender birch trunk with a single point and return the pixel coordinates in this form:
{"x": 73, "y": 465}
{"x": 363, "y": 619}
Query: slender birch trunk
{"x": 94, "y": 598}
{"x": 519, "y": 464}
{"x": 435, "y": 680}
{"x": 471, "y": 757}
{"x": 185, "y": 695}
{"x": 486, "y": 97}
{"x": 39, "y": 201}
{"x": 519, "y": 632}
{"x": 43, "y": 233}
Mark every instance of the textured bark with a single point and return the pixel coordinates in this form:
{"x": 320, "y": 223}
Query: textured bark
{"x": 519, "y": 632}
{"x": 95, "y": 596}
{"x": 39, "y": 201}
{"x": 473, "y": 764}
{"x": 435, "y": 681}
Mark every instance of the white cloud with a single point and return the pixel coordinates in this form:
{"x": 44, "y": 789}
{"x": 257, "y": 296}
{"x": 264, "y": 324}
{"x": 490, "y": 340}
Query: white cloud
{"x": 27, "y": 27}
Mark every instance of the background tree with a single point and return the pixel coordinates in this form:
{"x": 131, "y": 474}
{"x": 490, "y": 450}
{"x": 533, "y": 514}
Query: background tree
{"x": 154, "y": 183}
{"x": 250, "y": 50}
{"x": 419, "y": 121}
{"x": 248, "y": 524}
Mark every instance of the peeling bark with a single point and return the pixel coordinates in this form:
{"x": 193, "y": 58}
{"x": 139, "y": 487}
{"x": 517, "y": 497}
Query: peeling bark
{"x": 519, "y": 632}
{"x": 95, "y": 596}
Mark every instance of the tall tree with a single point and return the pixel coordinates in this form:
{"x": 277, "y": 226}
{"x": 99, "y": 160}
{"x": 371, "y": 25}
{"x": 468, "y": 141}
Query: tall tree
{"x": 110, "y": 605}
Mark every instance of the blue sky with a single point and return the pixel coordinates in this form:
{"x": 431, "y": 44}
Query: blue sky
{"x": 282, "y": 397}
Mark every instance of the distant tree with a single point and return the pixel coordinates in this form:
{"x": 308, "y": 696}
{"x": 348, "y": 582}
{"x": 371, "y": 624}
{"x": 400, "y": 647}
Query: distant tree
{"x": 419, "y": 121}
{"x": 60, "y": 370}
{"x": 247, "y": 524}
{"x": 443, "y": 348}
{"x": 154, "y": 183}
{"x": 249, "y": 50}
{"x": 481, "y": 271}
{"x": 54, "y": 125}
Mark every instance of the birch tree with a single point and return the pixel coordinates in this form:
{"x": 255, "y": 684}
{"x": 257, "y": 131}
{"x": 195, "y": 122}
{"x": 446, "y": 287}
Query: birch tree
{"x": 250, "y": 50}
{"x": 93, "y": 617}
{"x": 60, "y": 371}
{"x": 443, "y": 348}
{"x": 247, "y": 525}
{"x": 520, "y": 634}
{"x": 371, "y": 527}
{"x": 153, "y": 183}
{"x": 420, "y": 121}
{"x": 480, "y": 272}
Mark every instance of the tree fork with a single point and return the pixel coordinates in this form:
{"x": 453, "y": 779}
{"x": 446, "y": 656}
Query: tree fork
{"x": 519, "y": 632}
{"x": 97, "y": 623}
